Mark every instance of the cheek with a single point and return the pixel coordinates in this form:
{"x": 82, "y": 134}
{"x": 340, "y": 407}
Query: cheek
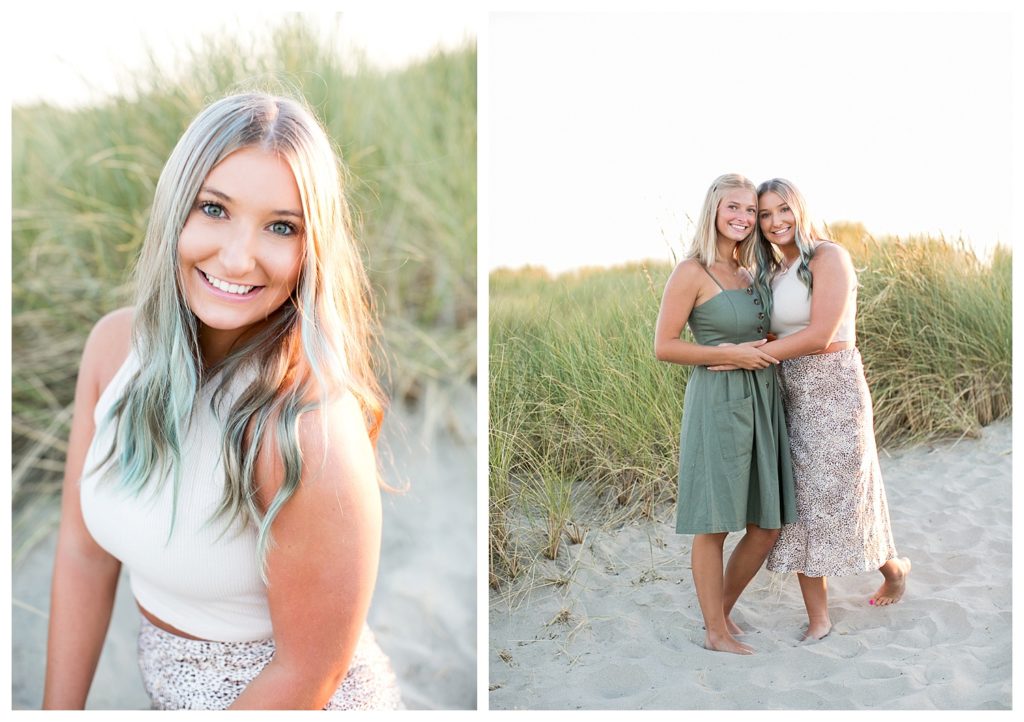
{"x": 287, "y": 268}
{"x": 190, "y": 244}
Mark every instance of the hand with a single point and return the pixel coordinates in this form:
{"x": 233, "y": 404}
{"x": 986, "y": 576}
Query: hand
{"x": 747, "y": 356}
{"x": 724, "y": 367}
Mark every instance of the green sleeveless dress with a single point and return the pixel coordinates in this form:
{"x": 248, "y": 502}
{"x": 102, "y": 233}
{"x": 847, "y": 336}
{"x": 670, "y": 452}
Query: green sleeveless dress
{"x": 734, "y": 463}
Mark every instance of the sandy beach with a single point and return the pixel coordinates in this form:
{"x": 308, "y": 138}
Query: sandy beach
{"x": 613, "y": 623}
{"x": 424, "y": 607}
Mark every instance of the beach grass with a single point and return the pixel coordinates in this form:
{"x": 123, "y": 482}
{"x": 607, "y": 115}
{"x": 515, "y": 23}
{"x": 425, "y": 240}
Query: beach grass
{"x": 83, "y": 180}
{"x": 584, "y": 421}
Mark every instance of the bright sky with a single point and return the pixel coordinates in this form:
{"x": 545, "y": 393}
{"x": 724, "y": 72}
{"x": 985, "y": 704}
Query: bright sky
{"x": 604, "y": 136}
{"x": 64, "y": 59}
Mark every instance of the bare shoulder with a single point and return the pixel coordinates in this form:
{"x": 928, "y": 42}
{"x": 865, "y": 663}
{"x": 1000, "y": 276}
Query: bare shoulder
{"x": 337, "y": 448}
{"x": 828, "y": 253}
{"x": 688, "y": 269}
{"x": 686, "y": 274}
{"x": 107, "y": 347}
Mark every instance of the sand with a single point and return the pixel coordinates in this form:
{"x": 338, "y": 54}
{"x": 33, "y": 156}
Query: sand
{"x": 424, "y": 608}
{"x": 614, "y": 622}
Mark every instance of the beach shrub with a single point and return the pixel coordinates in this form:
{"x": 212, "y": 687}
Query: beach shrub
{"x": 578, "y": 401}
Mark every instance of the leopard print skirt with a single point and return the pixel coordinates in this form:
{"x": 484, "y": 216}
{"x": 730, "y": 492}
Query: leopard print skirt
{"x": 843, "y": 519}
{"x": 181, "y": 673}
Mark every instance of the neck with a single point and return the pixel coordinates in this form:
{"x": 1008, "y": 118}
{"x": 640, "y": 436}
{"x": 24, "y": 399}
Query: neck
{"x": 216, "y": 344}
{"x": 725, "y": 251}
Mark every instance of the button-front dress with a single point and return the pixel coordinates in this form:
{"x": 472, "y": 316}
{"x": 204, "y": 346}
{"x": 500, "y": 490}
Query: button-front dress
{"x": 734, "y": 463}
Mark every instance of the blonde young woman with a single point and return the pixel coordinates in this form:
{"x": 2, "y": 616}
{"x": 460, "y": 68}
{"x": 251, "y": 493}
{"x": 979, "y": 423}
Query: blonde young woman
{"x": 810, "y": 289}
{"x": 734, "y": 472}
{"x": 222, "y": 446}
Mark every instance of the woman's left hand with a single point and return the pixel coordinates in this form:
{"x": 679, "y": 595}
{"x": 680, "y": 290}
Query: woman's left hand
{"x": 732, "y": 367}
{"x": 724, "y": 367}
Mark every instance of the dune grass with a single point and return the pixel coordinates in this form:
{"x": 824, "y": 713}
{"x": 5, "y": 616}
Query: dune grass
{"x": 584, "y": 422}
{"x": 83, "y": 180}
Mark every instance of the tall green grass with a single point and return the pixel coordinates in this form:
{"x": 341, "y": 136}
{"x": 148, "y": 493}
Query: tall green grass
{"x": 83, "y": 180}
{"x": 584, "y": 422}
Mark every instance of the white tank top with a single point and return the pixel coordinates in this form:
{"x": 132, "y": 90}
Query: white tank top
{"x": 200, "y": 579}
{"x": 791, "y": 307}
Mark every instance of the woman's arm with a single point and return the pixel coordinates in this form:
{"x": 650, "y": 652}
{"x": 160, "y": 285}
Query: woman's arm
{"x": 322, "y": 566}
{"x": 84, "y": 575}
{"x": 834, "y": 279}
{"x": 682, "y": 293}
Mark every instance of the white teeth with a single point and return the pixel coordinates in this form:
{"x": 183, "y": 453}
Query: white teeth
{"x": 227, "y": 287}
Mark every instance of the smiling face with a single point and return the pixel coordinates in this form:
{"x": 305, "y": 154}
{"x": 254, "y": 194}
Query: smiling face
{"x": 240, "y": 251}
{"x": 736, "y": 213}
{"x": 776, "y": 219}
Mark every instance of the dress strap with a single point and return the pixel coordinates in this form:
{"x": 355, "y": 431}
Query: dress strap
{"x": 708, "y": 271}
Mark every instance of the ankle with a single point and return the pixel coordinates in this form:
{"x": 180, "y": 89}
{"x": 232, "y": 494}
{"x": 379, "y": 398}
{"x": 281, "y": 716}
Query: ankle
{"x": 717, "y": 635}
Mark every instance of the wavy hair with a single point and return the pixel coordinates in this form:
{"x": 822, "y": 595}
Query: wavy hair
{"x": 315, "y": 347}
{"x": 704, "y": 246}
{"x": 758, "y": 252}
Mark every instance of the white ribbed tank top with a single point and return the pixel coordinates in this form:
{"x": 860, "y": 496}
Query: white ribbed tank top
{"x": 791, "y": 307}
{"x": 204, "y": 583}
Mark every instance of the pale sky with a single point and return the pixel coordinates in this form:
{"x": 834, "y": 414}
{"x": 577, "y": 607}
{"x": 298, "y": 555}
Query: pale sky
{"x": 605, "y": 130}
{"x": 66, "y": 57}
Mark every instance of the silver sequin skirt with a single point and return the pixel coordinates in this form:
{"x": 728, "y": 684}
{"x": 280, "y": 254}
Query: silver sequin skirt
{"x": 843, "y": 519}
{"x": 181, "y": 673}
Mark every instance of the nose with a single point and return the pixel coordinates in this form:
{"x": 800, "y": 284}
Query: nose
{"x": 237, "y": 255}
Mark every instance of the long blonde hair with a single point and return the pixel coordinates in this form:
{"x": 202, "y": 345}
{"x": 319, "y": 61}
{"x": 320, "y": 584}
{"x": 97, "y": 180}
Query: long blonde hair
{"x": 317, "y": 346}
{"x": 704, "y": 246}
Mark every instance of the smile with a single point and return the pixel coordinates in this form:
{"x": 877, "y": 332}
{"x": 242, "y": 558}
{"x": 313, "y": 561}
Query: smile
{"x": 233, "y": 289}
{"x": 782, "y": 230}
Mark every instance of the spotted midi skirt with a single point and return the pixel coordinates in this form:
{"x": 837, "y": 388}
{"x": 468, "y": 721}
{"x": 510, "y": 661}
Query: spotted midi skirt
{"x": 843, "y": 518}
{"x": 181, "y": 673}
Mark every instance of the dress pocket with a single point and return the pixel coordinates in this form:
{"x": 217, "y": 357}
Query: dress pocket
{"x": 734, "y": 423}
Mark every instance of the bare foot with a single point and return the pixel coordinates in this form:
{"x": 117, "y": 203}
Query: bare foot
{"x": 725, "y": 643}
{"x": 817, "y": 629}
{"x": 895, "y": 572}
{"x": 734, "y": 629}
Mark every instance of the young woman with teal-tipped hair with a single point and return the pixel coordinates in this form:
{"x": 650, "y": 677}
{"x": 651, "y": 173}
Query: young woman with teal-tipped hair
{"x": 222, "y": 447}
{"x": 809, "y": 287}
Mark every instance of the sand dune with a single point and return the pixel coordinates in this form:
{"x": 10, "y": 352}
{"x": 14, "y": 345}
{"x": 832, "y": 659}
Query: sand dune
{"x": 614, "y": 622}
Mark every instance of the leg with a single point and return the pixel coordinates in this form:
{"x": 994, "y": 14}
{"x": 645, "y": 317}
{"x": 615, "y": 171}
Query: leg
{"x": 707, "y": 578}
{"x": 815, "y": 591}
{"x": 895, "y": 572}
{"x": 746, "y": 559}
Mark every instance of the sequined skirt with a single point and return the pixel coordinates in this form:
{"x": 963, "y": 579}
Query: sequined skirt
{"x": 843, "y": 518}
{"x": 181, "y": 673}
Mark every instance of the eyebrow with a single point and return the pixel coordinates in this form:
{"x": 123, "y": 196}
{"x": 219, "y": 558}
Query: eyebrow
{"x": 229, "y": 199}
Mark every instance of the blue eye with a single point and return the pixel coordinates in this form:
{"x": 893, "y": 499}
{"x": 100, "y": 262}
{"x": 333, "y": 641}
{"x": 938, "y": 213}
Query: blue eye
{"x": 282, "y": 228}
{"x": 213, "y": 210}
